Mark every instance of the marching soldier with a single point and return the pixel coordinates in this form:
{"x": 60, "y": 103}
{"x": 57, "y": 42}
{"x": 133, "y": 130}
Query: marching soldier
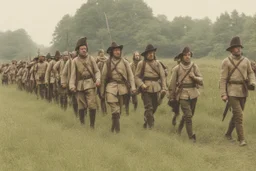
{"x": 65, "y": 79}
{"x": 136, "y": 59}
{"x": 117, "y": 81}
{"x": 40, "y": 70}
{"x": 183, "y": 89}
{"x": 13, "y": 72}
{"x": 50, "y": 78}
{"x": 151, "y": 80}
{"x": 85, "y": 77}
{"x": 5, "y": 71}
{"x": 32, "y": 82}
{"x": 20, "y": 75}
{"x": 101, "y": 60}
{"x": 62, "y": 91}
{"x": 237, "y": 77}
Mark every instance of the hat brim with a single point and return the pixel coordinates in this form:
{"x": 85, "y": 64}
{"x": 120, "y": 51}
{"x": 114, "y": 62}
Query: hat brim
{"x": 150, "y": 50}
{"x": 110, "y": 49}
{"x": 179, "y": 56}
{"x": 233, "y": 46}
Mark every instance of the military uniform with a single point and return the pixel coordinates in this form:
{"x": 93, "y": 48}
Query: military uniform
{"x": 84, "y": 75}
{"x": 62, "y": 91}
{"x": 5, "y": 74}
{"x": 13, "y": 72}
{"x": 185, "y": 81}
{"x": 100, "y": 61}
{"x": 19, "y": 77}
{"x": 116, "y": 75}
{"x": 40, "y": 70}
{"x": 150, "y": 73}
{"x": 233, "y": 84}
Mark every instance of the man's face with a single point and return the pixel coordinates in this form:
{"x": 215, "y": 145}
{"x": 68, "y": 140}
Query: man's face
{"x": 186, "y": 57}
{"x": 41, "y": 58}
{"x": 83, "y": 51}
{"x": 236, "y": 51}
{"x": 117, "y": 52}
{"x": 150, "y": 55}
{"x": 65, "y": 58}
{"x": 101, "y": 54}
{"x": 137, "y": 56}
{"x": 73, "y": 55}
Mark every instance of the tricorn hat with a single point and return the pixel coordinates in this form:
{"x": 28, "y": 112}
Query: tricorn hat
{"x": 48, "y": 56}
{"x": 185, "y": 50}
{"x": 149, "y": 48}
{"x": 235, "y": 42}
{"x": 114, "y": 45}
{"x": 81, "y": 42}
{"x": 57, "y": 54}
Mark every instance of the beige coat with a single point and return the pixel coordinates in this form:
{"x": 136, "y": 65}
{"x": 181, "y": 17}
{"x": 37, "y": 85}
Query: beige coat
{"x": 79, "y": 74}
{"x": 153, "y": 86}
{"x": 115, "y": 86}
{"x": 236, "y": 90}
{"x": 178, "y": 73}
{"x": 66, "y": 73}
{"x": 58, "y": 68}
{"x": 50, "y": 75}
{"x": 40, "y": 70}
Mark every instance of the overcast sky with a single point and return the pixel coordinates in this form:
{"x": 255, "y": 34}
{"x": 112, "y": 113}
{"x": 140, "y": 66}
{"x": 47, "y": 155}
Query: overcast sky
{"x": 39, "y": 17}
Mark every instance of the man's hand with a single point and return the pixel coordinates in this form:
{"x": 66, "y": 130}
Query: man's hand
{"x": 224, "y": 98}
{"x": 64, "y": 85}
{"x": 144, "y": 87}
{"x": 134, "y": 92}
{"x": 97, "y": 83}
{"x": 73, "y": 89}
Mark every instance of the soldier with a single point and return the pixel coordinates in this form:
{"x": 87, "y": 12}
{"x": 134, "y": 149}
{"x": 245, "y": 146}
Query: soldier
{"x": 5, "y": 74}
{"x": 136, "y": 59}
{"x": 151, "y": 80}
{"x": 117, "y": 81}
{"x": 50, "y": 78}
{"x": 33, "y": 87}
{"x": 13, "y": 72}
{"x": 236, "y": 78}
{"x": 62, "y": 91}
{"x": 65, "y": 79}
{"x": 40, "y": 70}
{"x": 101, "y": 60}
{"x": 183, "y": 89}
{"x": 20, "y": 75}
{"x": 85, "y": 77}
{"x": 48, "y": 58}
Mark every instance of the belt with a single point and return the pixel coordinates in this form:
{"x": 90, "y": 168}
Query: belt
{"x": 150, "y": 78}
{"x": 117, "y": 81}
{"x": 188, "y": 85}
{"x": 86, "y": 77}
{"x": 236, "y": 82}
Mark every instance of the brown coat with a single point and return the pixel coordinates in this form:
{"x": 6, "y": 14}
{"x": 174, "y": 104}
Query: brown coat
{"x": 236, "y": 90}
{"x": 153, "y": 86}
{"x": 79, "y": 72}
{"x": 178, "y": 73}
{"x": 115, "y": 87}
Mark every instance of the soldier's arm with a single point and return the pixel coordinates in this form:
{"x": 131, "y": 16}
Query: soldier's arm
{"x": 163, "y": 77}
{"x": 198, "y": 78}
{"x": 96, "y": 69}
{"x": 64, "y": 74}
{"x": 56, "y": 68}
{"x": 138, "y": 80}
{"x": 223, "y": 78}
{"x": 72, "y": 82}
{"x": 173, "y": 83}
{"x": 130, "y": 75}
{"x": 47, "y": 73}
{"x": 251, "y": 74}
{"x": 103, "y": 80}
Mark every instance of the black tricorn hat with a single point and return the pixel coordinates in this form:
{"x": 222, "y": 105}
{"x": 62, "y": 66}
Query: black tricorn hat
{"x": 235, "y": 42}
{"x": 48, "y": 56}
{"x": 149, "y": 48}
{"x": 114, "y": 45}
{"x": 57, "y": 54}
{"x": 81, "y": 42}
{"x": 185, "y": 50}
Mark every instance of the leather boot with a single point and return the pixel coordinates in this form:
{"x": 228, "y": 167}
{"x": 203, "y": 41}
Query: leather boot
{"x": 117, "y": 128}
{"x": 113, "y": 122}
{"x": 81, "y": 116}
{"x": 92, "y": 113}
{"x": 181, "y": 125}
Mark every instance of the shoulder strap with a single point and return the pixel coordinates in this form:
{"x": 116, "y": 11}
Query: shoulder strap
{"x": 235, "y": 67}
{"x": 186, "y": 73}
{"x": 142, "y": 72}
{"x": 155, "y": 68}
{"x": 88, "y": 69}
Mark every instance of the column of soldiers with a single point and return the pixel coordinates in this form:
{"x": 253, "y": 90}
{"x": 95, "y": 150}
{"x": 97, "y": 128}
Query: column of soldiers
{"x": 83, "y": 80}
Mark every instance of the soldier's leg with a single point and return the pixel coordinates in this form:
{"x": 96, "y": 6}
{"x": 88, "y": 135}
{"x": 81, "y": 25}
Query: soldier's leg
{"x": 74, "y": 104}
{"x": 148, "y": 106}
{"x": 126, "y": 98}
{"x": 82, "y": 105}
{"x": 91, "y": 101}
{"x": 187, "y": 111}
{"x": 238, "y": 116}
{"x": 115, "y": 110}
{"x": 135, "y": 102}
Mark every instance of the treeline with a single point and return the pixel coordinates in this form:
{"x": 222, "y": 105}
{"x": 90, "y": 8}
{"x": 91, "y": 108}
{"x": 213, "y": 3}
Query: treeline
{"x": 16, "y": 45}
{"x": 131, "y": 23}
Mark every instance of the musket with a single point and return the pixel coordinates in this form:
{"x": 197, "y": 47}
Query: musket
{"x": 226, "y": 110}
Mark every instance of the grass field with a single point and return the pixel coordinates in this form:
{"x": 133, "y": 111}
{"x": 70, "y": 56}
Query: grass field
{"x": 38, "y": 136}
